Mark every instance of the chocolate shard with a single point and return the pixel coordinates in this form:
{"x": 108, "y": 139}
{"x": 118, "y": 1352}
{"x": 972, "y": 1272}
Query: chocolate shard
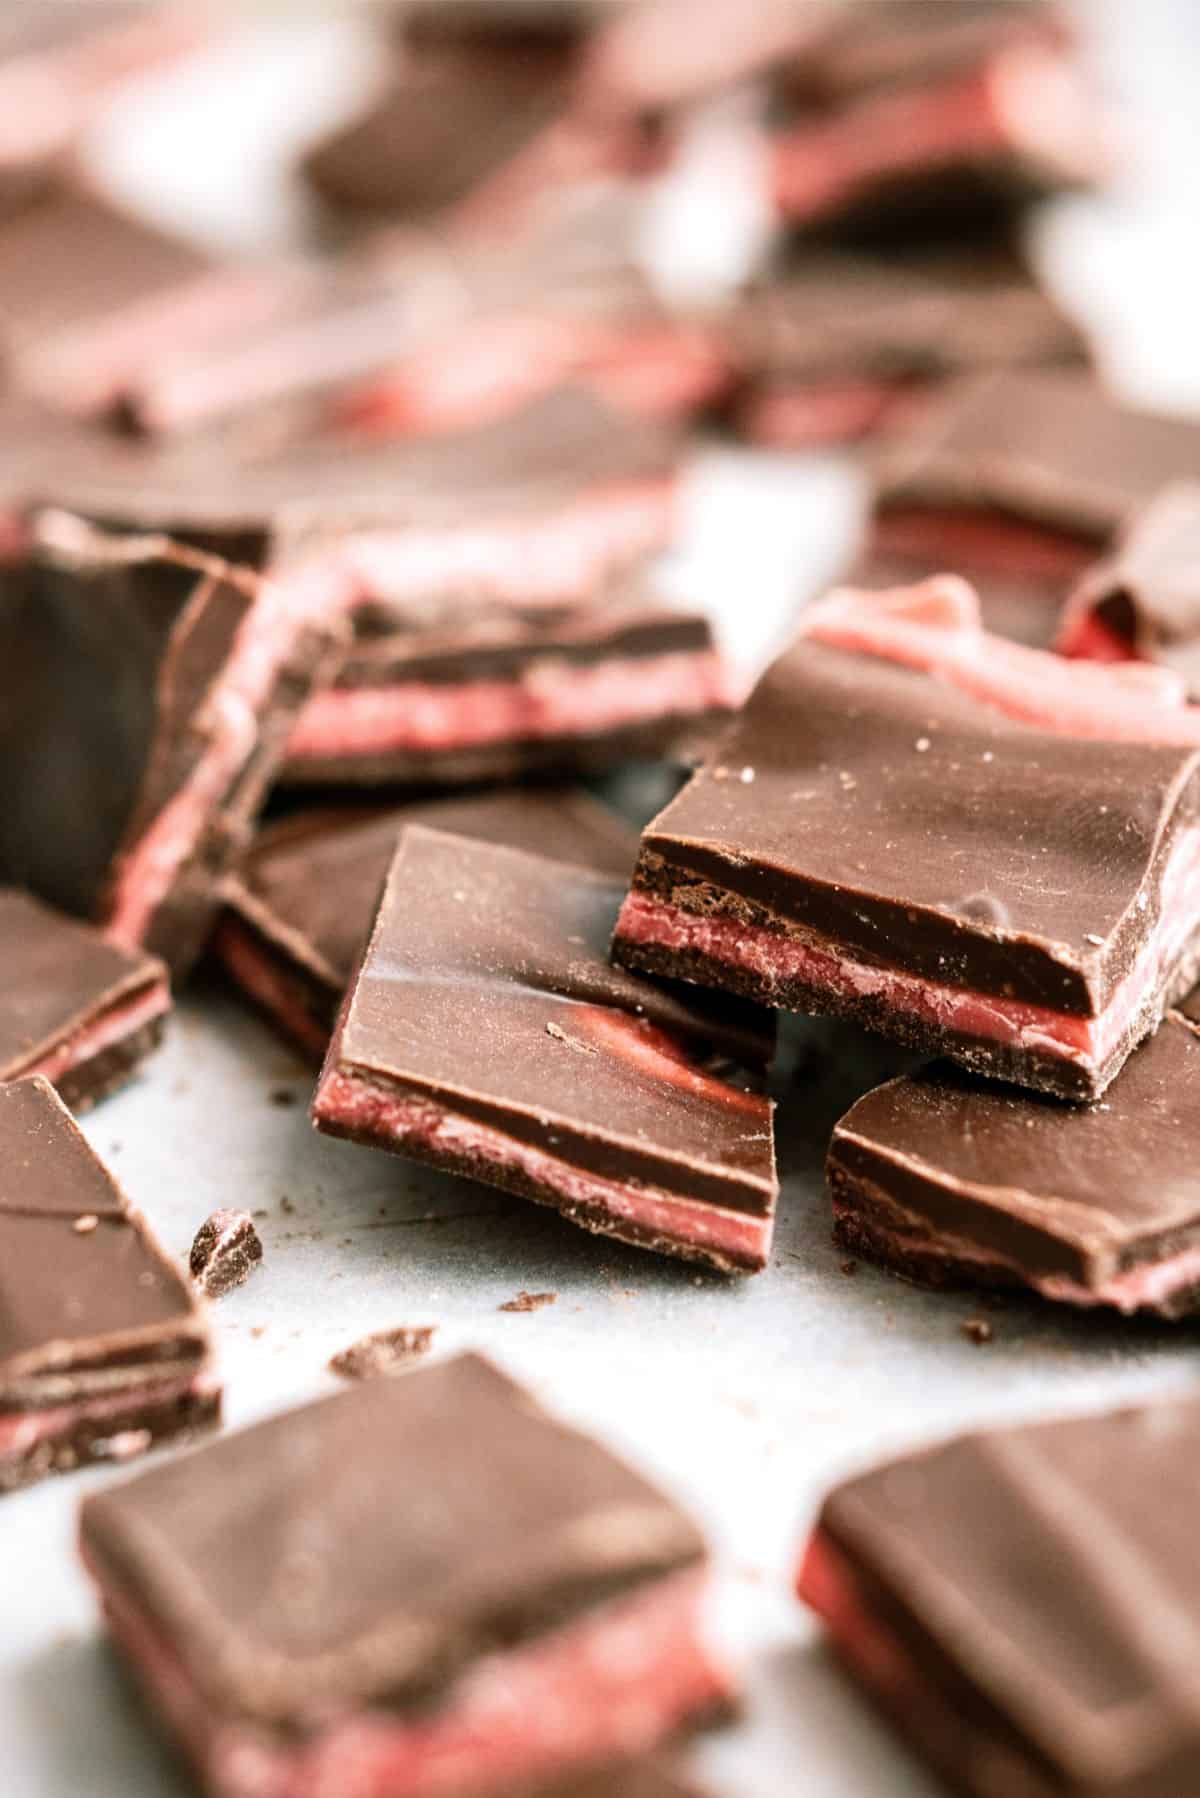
{"x": 148, "y": 691}
{"x": 74, "y": 1007}
{"x": 893, "y": 748}
{"x": 1021, "y": 1600}
{"x": 298, "y": 911}
{"x": 953, "y": 1181}
{"x": 225, "y": 1252}
{"x": 1143, "y": 602}
{"x": 487, "y": 1033}
{"x": 103, "y": 1349}
{"x": 383, "y": 1352}
{"x": 318, "y": 1614}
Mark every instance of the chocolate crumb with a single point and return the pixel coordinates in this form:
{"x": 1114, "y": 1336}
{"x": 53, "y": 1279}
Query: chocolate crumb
{"x": 849, "y": 1268}
{"x": 226, "y": 1251}
{"x": 83, "y": 1226}
{"x": 286, "y": 1206}
{"x": 977, "y": 1330}
{"x": 529, "y": 1301}
{"x": 282, "y": 1096}
{"x": 257, "y": 1330}
{"x": 382, "y": 1352}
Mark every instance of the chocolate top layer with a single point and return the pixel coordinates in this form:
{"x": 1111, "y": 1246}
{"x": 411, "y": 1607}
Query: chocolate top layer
{"x": 1081, "y": 1190}
{"x": 292, "y": 1570}
{"x": 1148, "y": 592}
{"x": 486, "y": 984}
{"x": 919, "y": 828}
{"x": 56, "y": 976}
{"x": 1053, "y": 448}
{"x": 110, "y": 651}
{"x": 311, "y": 883}
{"x": 71, "y": 1300}
{"x": 1050, "y": 1568}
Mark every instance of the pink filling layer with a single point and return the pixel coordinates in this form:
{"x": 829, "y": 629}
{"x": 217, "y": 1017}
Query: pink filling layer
{"x": 804, "y": 414}
{"x": 775, "y": 958}
{"x": 548, "y": 700}
{"x": 22, "y": 1431}
{"x": 347, "y": 1102}
{"x": 984, "y": 541}
{"x": 936, "y": 627}
{"x": 559, "y": 556}
{"x": 611, "y": 1686}
{"x": 281, "y": 612}
{"x": 1087, "y": 637}
{"x": 118, "y": 1023}
{"x": 268, "y": 985}
{"x": 827, "y": 1584}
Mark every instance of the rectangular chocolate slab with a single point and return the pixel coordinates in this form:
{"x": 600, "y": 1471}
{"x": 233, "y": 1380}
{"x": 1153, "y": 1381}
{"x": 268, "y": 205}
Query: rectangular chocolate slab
{"x": 487, "y": 1034}
{"x": 953, "y": 1181}
{"x": 298, "y": 911}
{"x": 1143, "y": 601}
{"x": 1021, "y": 1603}
{"x": 73, "y": 1006}
{"x": 1045, "y": 448}
{"x": 956, "y": 840}
{"x": 103, "y": 1346}
{"x": 301, "y": 1613}
{"x": 149, "y": 693}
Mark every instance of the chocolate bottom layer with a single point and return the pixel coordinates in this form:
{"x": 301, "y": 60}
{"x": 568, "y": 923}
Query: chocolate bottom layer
{"x": 83, "y": 1434}
{"x": 89, "y": 1081}
{"x": 867, "y": 1222}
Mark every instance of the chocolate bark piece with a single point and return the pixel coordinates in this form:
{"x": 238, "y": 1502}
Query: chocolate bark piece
{"x": 1020, "y": 1602}
{"x": 1047, "y": 449}
{"x": 103, "y": 1348}
{"x": 324, "y": 1620}
{"x": 150, "y": 690}
{"x": 83, "y": 1011}
{"x": 486, "y": 1033}
{"x": 298, "y": 911}
{"x": 383, "y": 1352}
{"x": 492, "y": 691}
{"x": 225, "y": 1252}
{"x": 955, "y": 840}
{"x": 843, "y": 345}
{"x": 1143, "y": 602}
{"x": 953, "y": 1181}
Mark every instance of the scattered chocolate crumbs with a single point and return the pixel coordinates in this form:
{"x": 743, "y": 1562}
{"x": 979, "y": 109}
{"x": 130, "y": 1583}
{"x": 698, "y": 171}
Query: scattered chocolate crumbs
{"x": 849, "y": 1268}
{"x": 257, "y": 1330}
{"x": 226, "y": 1251}
{"x": 529, "y": 1301}
{"x": 383, "y": 1352}
{"x": 977, "y": 1330}
{"x": 286, "y": 1206}
{"x": 282, "y": 1096}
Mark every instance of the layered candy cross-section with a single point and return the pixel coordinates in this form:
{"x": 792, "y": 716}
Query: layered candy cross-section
{"x": 982, "y": 850}
{"x": 425, "y": 1587}
{"x": 486, "y": 1033}
{"x": 103, "y": 1345}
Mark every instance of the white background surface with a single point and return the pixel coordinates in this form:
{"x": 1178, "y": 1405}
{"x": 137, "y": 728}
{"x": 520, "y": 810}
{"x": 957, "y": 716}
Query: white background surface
{"x": 746, "y": 1399}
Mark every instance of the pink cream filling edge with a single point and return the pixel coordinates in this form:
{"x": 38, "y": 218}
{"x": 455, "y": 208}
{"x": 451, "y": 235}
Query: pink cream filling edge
{"x": 720, "y": 1234}
{"x": 118, "y": 1023}
{"x": 549, "y": 699}
{"x": 1086, "y": 1041}
{"x": 609, "y": 1687}
{"x": 280, "y": 612}
{"x": 267, "y": 985}
{"x": 23, "y": 1431}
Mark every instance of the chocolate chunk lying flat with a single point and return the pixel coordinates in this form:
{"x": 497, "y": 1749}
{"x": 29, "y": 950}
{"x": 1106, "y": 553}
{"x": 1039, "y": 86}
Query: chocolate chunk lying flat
{"x": 953, "y": 1181}
{"x": 103, "y": 1351}
{"x": 518, "y": 1605}
{"x": 82, "y": 1011}
{"x": 225, "y": 1252}
{"x": 1143, "y": 602}
{"x": 1021, "y": 1604}
{"x": 487, "y": 1034}
{"x": 383, "y": 1352}
{"x": 147, "y": 694}
{"x": 846, "y": 345}
{"x": 982, "y": 850}
{"x": 298, "y": 912}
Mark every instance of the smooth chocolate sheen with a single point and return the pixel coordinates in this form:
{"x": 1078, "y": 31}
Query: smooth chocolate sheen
{"x": 487, "y": 1032}
{"x": 1022, "y": 1603}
